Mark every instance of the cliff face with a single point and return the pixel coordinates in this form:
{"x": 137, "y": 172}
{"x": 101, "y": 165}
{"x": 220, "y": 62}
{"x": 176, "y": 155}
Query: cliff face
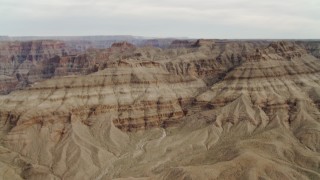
{"x": 26, "y": 62}
{"x": 220, "y": 109}
{"x": 23, "y": 63}
{"x": 143, "y": 93}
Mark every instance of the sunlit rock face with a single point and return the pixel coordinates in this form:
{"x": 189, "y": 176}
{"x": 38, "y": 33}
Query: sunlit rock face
{"x": 203, "y": 109}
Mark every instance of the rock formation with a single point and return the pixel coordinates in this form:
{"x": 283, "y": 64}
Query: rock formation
{"x": 213, "y": 109}
{"x": 24, "y": 62}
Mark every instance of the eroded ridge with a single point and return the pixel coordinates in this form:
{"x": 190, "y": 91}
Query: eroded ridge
{"x": 205, "y": 108}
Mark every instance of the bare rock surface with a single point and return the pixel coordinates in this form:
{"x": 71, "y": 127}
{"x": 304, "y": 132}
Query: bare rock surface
{"x": 208, "y": 109}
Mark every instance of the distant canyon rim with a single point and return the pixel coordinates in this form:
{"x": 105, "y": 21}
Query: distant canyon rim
{"x": 124, "y": 107}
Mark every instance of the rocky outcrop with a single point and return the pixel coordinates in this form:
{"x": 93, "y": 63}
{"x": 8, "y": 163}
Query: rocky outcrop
{"x": 289, "y": 50}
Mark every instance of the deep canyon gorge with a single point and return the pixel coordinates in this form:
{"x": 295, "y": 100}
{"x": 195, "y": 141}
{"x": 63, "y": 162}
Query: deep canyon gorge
{"x": 160, "y": 109}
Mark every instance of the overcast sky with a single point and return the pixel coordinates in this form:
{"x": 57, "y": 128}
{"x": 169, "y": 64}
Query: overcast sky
{"x": 162, "y": 18}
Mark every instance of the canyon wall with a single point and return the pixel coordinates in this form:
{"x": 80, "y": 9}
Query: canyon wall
{"x": 205, "y": 108}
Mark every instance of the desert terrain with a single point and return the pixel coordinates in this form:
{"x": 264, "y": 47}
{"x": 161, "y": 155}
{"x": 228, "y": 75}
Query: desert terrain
{"x": 79, "y": 109}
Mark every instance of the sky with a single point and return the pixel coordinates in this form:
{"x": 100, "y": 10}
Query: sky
{"x": 230, "y": 19}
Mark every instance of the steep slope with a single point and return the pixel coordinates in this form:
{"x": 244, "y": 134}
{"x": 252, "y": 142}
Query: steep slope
{"x": 264, "y": 124}
{"x": 24, "y": 62}
{"x": 215, "y": 110}
{"x": 313, "y": 47}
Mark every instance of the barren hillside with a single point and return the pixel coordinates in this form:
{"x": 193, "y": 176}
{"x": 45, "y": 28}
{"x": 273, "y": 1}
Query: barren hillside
{"x": 205, "y": 109}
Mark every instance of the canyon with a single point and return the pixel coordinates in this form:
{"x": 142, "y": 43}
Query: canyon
{"x": 159, "y": 109}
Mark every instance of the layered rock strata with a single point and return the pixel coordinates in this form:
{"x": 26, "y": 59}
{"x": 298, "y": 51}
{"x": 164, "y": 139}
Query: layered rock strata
{"x": 216, "y": 109}
{"x": 28, "y": 61}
